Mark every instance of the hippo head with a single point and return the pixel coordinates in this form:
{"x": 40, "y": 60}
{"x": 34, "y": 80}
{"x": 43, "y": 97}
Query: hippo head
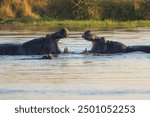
{"x": 87, "y": 35}
{"x": 51, "y": 41}
{"x": 98, "y": 43}
{"x": 62, "y": 33}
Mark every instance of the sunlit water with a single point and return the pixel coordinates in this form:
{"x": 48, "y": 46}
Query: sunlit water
{"x": 77, "y": 76}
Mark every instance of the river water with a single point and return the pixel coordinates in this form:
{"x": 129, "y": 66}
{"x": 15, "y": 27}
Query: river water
{"x": 77, "y": 76}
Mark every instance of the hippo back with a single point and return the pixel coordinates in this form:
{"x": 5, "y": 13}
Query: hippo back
{"x": 41, "y": 46}
{"x": 116, "y": 47}
{"x": 11, "y": 49}
{"x": 142, "y": 48}
{"x": 33, "y": 47}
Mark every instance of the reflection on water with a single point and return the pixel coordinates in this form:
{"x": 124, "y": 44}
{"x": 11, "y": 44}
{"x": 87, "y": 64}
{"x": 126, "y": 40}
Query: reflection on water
{"x": 77, "y": 76}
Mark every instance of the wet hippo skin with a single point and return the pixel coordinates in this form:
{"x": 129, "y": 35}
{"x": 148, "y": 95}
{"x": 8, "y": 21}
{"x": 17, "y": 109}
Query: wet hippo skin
{"x": 100, "y": 45}
{"x": 39, "y": 46}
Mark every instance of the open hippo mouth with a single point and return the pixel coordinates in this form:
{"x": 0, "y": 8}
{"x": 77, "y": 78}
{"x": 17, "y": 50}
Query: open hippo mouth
{"x": 87, "y": 35}
{"x": 51, "y": 42}
{"x": 98, "y": 43}
{"x": 102, "y": 46}
{"x": 62, "y": 33}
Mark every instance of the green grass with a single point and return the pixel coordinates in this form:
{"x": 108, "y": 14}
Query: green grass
{"x": 77, "y": 24}
{"x": 92, "y": 23}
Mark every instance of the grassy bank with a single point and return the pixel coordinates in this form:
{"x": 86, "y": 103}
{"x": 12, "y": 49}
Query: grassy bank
{"x": 94, "y": 23}
{"x": 78, "y": 23}
{"x": 75, "y": 13}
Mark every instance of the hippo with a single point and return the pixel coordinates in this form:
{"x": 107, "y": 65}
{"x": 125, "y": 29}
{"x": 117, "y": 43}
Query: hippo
{"x": 40, "y": 46}
{"x": 103, "y": 46}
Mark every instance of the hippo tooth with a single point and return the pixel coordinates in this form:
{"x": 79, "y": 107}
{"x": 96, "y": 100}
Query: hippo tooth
{"x": 66, "y": 50}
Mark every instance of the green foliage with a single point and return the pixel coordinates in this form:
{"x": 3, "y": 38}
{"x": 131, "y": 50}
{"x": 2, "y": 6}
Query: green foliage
{"x": 60, "y": 9}
{"x": 115, "y": 10}
{"x": 121, "y": 10}
{"x": 144, "y": 10}
{"x": 85, "y": 9}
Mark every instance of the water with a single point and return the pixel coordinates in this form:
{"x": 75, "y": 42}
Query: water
{"x": 77, "y": 76}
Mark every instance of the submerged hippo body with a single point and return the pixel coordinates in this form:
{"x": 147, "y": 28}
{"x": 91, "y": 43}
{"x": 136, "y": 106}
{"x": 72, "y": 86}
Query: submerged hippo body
{"x": 100, "y": 45}
{"x": 40, "y": 46}
{"x": 11, "y": 49}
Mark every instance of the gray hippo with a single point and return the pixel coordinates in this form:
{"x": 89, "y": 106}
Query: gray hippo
{"x": 39, "y": 46}
{"x": 100, "y": 45}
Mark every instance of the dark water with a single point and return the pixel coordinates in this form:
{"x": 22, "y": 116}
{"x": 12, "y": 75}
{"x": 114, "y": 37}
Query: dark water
{"x": 77, "y": 76}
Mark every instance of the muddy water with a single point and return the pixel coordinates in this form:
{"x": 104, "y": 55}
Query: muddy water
{"x": 77, "y": 76}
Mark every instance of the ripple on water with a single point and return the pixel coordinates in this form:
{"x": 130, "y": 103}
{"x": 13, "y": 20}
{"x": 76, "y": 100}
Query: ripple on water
{"x": 77, "y": 74}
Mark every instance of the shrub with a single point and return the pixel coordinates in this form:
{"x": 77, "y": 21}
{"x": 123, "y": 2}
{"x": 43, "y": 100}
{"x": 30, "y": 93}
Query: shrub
{"x": 121, "y": 10}
{"x": 117, "y": 10}
{"x": 61, "y": 9}
{"x": 144, "y": 10}
{"x": 6, "y": 10}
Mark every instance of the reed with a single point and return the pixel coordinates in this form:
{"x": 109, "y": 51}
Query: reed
{"x": 79, "y": 23}
{"x": 92, "y": 23}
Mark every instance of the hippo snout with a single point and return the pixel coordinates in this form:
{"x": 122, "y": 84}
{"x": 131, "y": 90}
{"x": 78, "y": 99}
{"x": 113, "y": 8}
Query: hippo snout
{"x": 66, "y": 32}
{"x": 62, "y": 33}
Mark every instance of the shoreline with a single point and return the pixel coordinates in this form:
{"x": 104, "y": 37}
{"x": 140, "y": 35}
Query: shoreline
{"x": 75, "y": 24}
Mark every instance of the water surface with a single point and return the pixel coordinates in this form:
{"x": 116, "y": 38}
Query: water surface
{"x": 77, "y": 76}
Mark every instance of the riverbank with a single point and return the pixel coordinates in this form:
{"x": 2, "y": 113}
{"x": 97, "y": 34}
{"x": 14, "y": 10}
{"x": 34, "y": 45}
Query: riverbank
{"x": 77, "y": 24}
